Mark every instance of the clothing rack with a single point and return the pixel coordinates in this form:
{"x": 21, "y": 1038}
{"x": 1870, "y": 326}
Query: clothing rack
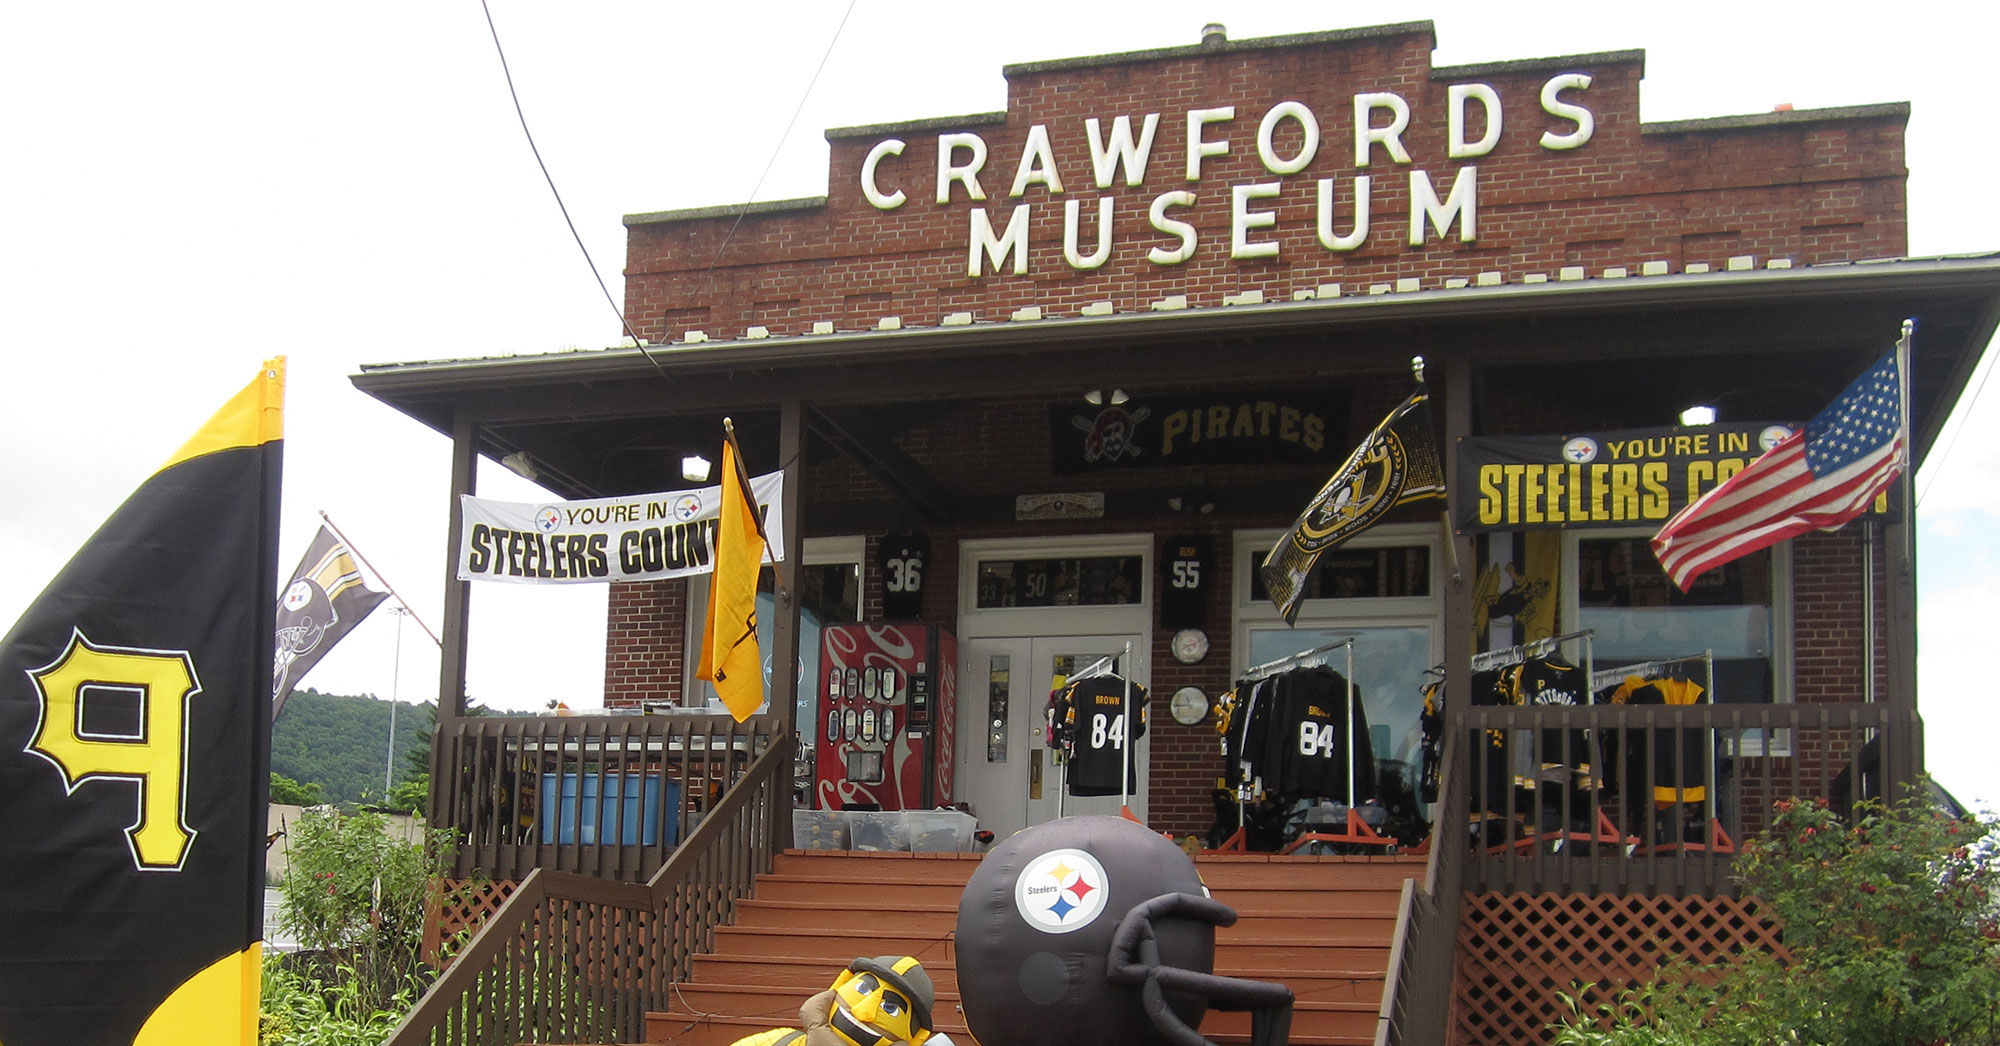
{"x": 1533, "y": 648}
{"x": 1356, "y": 831}
{"x": 1108, "y": 666}
{"x": 1651, "y": 670}
{"x": 1259, "y": 673}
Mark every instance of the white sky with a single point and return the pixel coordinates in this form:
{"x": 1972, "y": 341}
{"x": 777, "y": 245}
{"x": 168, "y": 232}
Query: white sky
{"x": 188, "y": 188}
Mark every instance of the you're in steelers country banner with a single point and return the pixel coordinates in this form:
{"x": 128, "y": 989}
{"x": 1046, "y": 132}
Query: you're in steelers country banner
{"x": 643, "y": 537}
{"x": 1603, "y": 479}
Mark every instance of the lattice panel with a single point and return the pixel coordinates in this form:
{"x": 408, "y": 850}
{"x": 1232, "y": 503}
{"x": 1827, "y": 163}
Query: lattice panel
{"x": 459, "y": 907}
{"x": 1515, "y": 951}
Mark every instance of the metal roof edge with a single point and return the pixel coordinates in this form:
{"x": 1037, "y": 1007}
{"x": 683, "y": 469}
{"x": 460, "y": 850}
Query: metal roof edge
{"x": 1531, "y": 65}
{"x": 1780, "y": 118}
{"x": 928, "y": 123}
{"x": 726, "y": 210}
{"x": 1197, "y": 50}
{"x": 1972, "y": 272}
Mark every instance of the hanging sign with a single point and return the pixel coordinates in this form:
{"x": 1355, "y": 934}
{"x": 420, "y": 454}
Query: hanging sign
{"x": 1227, "y": 428}
{"x": 1606, "y": 479}
{"x": 642, "y": 537}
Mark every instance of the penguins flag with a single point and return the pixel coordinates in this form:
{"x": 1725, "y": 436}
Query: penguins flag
{"x": 1397, "y": 464}
{"x": 324, "y": 600}
{"x": 134, "y": 757}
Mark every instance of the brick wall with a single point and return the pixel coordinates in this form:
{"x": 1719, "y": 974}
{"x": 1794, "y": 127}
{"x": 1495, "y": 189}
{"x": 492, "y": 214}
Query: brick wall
{"x": 1809, "y": 188}
{"x": 1798, "y": 186}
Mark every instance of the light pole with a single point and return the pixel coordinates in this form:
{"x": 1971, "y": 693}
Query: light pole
{"x": 395, "y": 698}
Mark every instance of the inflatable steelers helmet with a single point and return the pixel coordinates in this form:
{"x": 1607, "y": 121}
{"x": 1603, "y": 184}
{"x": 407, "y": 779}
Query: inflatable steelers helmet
{"x": 883, "y": 1001}
{"x": 1096, "y": 931}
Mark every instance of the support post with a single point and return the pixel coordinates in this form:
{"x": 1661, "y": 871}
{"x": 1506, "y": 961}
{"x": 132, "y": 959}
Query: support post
{"x": 785, "y": 630}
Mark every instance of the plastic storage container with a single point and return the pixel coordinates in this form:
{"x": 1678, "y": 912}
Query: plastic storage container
{"x": 941, "y": 831}
{"x": 613, "y": 809}
{"x": 819, "y": 830}
{"x": 878, "y": 829}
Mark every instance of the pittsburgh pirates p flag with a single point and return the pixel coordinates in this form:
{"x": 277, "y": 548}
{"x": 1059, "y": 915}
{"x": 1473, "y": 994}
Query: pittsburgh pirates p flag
{"x": 134, "y": 756}
{"x": 1397, "y": 464}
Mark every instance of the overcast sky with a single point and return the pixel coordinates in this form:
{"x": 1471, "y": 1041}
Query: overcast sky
{"x": 191, "y": 187}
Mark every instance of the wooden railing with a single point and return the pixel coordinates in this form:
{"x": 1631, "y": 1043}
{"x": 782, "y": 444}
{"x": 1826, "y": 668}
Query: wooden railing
{"x": 1416, "y": 1001}
{"x": 579, "y": 958}
{"x": 1653, "y": 799}
{"x": 605, "y": 796}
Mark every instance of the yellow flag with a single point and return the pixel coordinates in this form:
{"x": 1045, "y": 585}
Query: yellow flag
{"x": 729, "y": 654}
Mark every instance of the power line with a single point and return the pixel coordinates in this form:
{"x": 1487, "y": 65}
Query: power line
{"x": 560, "y": 205}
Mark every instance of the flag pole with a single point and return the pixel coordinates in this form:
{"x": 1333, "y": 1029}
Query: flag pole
{"x": 1909, "y": 478}
{"x": 386, "y": 583}
{"x": 750, "y": 498}
{"x": 1444, "y": 514}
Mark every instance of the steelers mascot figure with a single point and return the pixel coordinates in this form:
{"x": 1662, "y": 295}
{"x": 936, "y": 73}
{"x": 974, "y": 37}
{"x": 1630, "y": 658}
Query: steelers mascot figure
{"x": 884, "y": 1001}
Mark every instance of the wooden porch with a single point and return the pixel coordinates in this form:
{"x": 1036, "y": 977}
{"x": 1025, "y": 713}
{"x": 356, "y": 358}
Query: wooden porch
{"x": 690, "y": 910}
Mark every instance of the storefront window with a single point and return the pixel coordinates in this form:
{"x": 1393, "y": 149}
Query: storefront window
{"x": 829, "y": 594}
{"x": 1389, "y": 572}
{"x": 1086, "y": 581}
{"x": 1635, "y": 614}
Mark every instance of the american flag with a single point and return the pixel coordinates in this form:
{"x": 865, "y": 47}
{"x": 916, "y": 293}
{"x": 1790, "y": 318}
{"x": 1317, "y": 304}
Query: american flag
{"x": 1814, "y": 479}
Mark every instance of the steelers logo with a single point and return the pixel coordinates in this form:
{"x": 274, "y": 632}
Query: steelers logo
{"x": 297, "y": 596}
{"x": 1771, "y": 436}
{"x": 1061, "y": 891}
{"x": 548, "y": 519}
{"x": 1580, "y": 451}
{"x": 687, "y": 506}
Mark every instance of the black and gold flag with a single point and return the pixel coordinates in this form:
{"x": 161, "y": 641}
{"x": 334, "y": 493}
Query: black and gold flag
{"x": 1397, "y": 464}
{"x": 323, "y": 602}
{"x": 134, "y": 757}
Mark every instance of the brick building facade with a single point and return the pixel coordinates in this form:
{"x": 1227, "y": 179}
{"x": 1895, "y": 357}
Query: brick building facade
{"x": 1245, "y": 220}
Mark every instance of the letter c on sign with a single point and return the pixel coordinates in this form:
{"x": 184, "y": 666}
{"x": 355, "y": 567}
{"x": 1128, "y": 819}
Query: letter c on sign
{"x": 882, "y": 201}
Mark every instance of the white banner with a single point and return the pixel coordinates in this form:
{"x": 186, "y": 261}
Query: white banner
{"x": 639, "y": 538}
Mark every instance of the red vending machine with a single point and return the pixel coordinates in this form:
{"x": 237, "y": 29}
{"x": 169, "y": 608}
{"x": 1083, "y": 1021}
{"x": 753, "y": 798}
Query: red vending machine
{"x": 888, "y": 703}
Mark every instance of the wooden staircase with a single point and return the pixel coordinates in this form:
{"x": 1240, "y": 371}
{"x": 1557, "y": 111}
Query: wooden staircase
{"x": 1322, "y": 926}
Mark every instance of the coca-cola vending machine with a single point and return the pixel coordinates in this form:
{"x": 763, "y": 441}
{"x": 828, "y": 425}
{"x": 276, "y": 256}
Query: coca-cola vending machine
{"x": 888, "y": 702}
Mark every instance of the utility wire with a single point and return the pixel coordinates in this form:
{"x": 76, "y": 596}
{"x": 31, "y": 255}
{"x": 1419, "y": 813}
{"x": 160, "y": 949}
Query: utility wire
{"x": 714, "y": 259}
{"x": 515, "y": 95}
{"x": 1936, "y": 463}
{"x": 709, "y": 273}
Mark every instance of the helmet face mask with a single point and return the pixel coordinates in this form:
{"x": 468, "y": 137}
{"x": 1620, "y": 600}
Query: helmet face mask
{"x": 869, "y": 1011}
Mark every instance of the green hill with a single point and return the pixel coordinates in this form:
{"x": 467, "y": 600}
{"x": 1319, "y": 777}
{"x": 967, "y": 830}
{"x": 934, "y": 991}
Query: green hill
{"x": 342, "y": 743}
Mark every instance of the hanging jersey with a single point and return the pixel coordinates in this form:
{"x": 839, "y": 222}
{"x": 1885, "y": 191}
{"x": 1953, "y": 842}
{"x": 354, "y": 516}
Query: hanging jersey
{"x": 1314, "y": 745}
{"x": 902, "y": 559}
{"x": 1680, "y": 759}
{"x": 1102, "y": 724}
{"x": 1186, "y": 563}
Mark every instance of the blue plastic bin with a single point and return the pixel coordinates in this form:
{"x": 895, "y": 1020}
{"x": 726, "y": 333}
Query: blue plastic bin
{"x": 615, "y": 809}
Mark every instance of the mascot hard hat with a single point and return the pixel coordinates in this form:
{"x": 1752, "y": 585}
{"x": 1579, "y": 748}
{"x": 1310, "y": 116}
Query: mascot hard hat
{"x": 882, "y": 1001}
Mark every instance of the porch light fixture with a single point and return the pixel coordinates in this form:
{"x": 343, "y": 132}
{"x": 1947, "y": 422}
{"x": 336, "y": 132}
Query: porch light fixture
{"x": 1698, "y": 415}
{"x": 519, "y": 465}
{"x": 1100, "y": 397}
{"x": 694, "y": 468}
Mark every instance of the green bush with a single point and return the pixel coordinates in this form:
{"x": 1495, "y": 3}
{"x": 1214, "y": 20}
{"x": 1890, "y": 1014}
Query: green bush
{"x": 354, "y": 897}
{"x": 1891, "y": 925}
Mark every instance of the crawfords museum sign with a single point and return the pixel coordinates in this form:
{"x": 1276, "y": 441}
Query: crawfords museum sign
{"x": 1286, "y": 137}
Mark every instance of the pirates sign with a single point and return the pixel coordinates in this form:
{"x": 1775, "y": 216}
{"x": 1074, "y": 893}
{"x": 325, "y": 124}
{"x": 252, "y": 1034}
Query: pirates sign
{"x": 1225, "y": 428}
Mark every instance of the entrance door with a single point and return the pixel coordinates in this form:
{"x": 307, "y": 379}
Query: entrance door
{"x": 1006, "y": 769}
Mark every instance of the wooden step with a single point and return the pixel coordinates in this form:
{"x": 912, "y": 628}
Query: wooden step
{"x": 865, "y": 866}
{"x": 1322, "y": 926}
{"x": 687, "y": 1030}
{"x": 838, "y": 944}
{"x": 1326, "y": 984}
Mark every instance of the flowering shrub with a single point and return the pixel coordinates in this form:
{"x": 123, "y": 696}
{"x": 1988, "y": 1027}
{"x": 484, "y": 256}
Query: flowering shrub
{"x": 1891, "y": 924}
{"x": 354, "y": 897}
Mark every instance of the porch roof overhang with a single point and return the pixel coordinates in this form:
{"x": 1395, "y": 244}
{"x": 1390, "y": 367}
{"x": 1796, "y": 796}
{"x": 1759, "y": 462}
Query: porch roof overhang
{"x": 573, "y": 412}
